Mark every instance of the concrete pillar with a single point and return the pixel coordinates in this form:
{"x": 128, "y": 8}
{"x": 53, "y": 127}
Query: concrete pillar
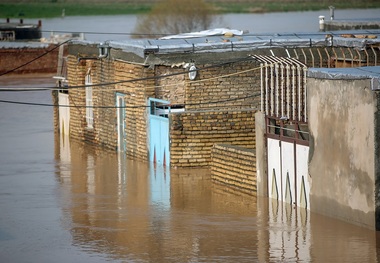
{"x": 261, "y": 155}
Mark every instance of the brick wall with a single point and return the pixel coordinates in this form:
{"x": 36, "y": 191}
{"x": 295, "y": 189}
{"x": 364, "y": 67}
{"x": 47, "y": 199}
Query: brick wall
{"x": 241, "y": 89}
{"x": 104, "y": 132}
{"x": 136, "y": 94}
{"x": 14, "y": 57}
{"x": 194, "y": 133}
{"x": 76, "y": 76}
{"x": 218, "y": 109}
{"x": 234, "y": 166}
{"x": 170, "y": 88}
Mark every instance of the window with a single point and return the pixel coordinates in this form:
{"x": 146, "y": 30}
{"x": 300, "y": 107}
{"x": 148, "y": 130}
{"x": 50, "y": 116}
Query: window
{"x": 89, "y": 103}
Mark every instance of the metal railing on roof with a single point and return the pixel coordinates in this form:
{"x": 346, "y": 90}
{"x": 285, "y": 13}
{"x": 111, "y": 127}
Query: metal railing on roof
{"x": 283, "y": 87}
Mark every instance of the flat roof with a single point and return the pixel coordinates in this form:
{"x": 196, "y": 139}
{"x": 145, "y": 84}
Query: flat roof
{"x": 372, "y": 73}
{"x": 245, "y": 42}
{"x": 22, "y": 44}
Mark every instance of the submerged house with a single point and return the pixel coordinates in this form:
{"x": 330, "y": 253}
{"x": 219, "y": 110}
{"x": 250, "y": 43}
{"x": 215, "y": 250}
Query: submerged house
{"x": 233, "y": 102}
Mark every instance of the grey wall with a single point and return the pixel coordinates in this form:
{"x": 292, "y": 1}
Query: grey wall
{"x": 261, "y": 156}
{"x": 342, "y": 151}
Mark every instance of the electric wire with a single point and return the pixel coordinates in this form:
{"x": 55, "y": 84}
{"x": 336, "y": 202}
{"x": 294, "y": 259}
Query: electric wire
{"x": 156, "y": 86}
{"x": 126, "y": 106}
{"x": 84, "y": 106}
{"x": 36, "y": 58}
{"x": 118, "y": 82}
{"x": 248, "y": 58}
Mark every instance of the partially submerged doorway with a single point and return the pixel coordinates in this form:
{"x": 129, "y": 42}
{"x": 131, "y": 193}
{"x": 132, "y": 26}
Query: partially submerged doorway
{"x": 159, "y": 131}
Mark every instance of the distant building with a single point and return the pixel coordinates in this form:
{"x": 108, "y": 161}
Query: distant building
{"x": 11, "y": 31}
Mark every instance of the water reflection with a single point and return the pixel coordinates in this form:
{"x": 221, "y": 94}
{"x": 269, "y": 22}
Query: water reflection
{"x": 101, "y": 206}
{"x": 128, "y": 210}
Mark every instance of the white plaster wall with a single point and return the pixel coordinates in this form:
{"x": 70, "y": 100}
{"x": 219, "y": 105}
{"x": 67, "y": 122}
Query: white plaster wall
{"x": 64, "y": 114}
{"x": 274, "y": 165}
{"x": 341, "y": 123}
{"x": 288, "y": 171}
{"x": 302, "y": 170}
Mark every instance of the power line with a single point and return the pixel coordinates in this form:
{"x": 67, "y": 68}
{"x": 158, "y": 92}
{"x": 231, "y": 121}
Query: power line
{"x": 36, "y": 58}
{"x": 248, "y": 58}
{"x": 131, "y": 106}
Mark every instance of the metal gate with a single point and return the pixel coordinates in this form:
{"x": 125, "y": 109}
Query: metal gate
{"x": 283, "y": 100}
{"x": 159, "y": 132}
{"x": 288, "y": 153}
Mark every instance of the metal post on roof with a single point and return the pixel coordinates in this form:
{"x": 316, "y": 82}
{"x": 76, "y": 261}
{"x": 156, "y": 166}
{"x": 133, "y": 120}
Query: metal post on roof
{"x": 272, "y": 89}
{"x": 262, "y": 86}
{"x": 294, "y": 93}
{"x": 352, "y": 57}
{"x": 288, "y": 66}
{"x": 312, "y": 57}
{"x": 287, "y": 52}
{"x": 366, "y": 56}
{"x": 374, "y": 52}
{"x": 320, "y": 58}
{"x": 344, "y": 55}
{"x": 304, "y": 55}
{"x": 332, "y": 8}
{"x": 305, "y": 93}
{"x": 282, "y": 90}
{"x": 299, "y": 93}
{"x": 277, "y": 89}
{"x": 266, "y": 88}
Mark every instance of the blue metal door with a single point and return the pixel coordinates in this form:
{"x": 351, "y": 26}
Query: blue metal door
{"x": 159, "y": 132}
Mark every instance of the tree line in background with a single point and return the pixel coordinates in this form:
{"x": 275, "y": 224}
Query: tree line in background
{"x": 175, "y": 17}
{"x": 165, "y": 17}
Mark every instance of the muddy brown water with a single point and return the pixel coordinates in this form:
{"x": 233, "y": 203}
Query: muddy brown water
{"x": 62, "y": 201}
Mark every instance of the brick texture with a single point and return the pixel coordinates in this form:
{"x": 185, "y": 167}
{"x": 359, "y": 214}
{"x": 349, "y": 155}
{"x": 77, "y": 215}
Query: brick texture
{"x": 193, "y": 134}
{"x": 14, "y": 57}
{"x": 234, "y": 166}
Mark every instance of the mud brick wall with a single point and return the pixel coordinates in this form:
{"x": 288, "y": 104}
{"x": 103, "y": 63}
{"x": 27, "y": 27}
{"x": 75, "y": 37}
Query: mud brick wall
{"x": 234, "y": 166}
{"x": 241, "y": 89}
{"x": 14, "y": 57}
{"x": 136, "y": 112}
{"x": 102, "y": 71}
{"x": 54, "y": 96}
{"x": 77, "y": 97}
{"x": 194, "y": 133}
{"x": 104, "y": 132}
{"x": 171, "y": 88}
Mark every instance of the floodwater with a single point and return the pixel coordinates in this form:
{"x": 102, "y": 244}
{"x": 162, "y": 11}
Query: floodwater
{"x": 62, "y": 201}
{"x": 103, "y": 28}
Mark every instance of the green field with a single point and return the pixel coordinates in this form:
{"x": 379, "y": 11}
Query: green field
{"x": 54, "y": 8}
